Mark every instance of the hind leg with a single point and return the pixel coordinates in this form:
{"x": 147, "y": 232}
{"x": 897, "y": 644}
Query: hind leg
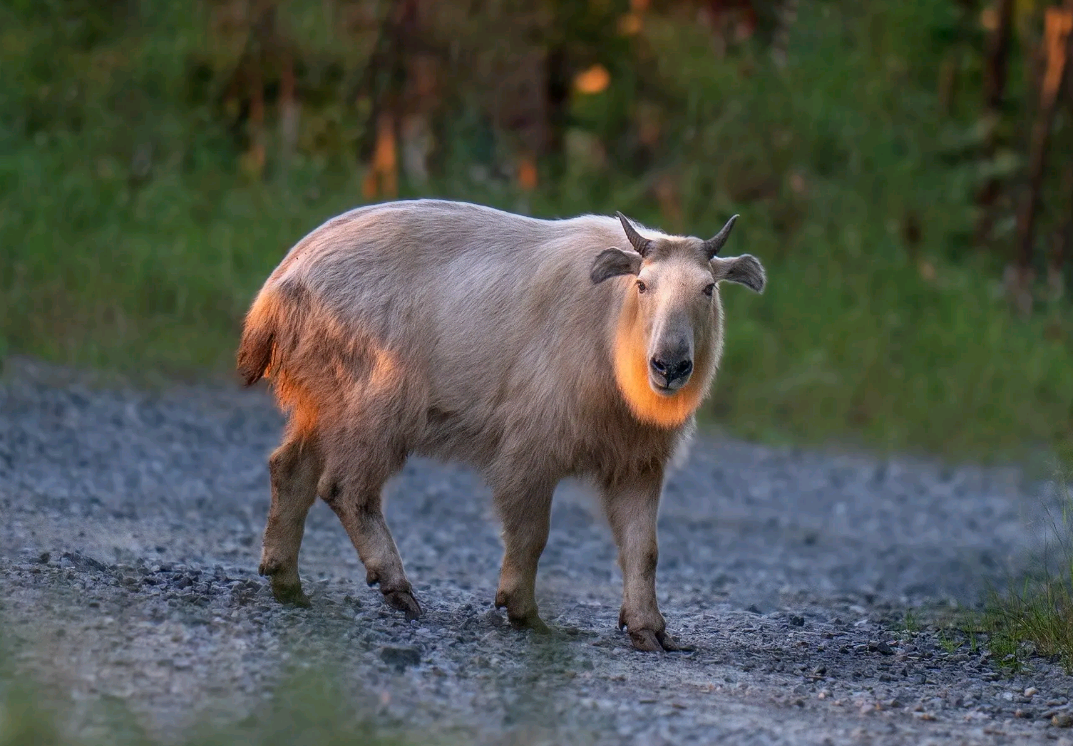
{"x": 295, "y": 468}
{"x": 353, "y": 491}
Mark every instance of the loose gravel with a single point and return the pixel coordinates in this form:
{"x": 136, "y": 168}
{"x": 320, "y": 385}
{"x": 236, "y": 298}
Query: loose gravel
{"x": 130, "y": 525}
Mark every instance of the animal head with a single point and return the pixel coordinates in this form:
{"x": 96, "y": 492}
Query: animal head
{"x": 669, "y": 334}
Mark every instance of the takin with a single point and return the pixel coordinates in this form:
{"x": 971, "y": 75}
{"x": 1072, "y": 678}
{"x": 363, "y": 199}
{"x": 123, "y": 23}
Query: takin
{"x": 530, "y": 350}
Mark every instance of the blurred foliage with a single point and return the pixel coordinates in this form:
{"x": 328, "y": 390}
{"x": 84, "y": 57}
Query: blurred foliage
{"x": 310, "y": 708}
{"x": 312, "y": 701}
{"x": 160, "y": 159}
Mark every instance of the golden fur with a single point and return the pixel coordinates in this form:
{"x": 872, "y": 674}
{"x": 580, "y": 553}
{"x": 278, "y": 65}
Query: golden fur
{"x": 462, "y": 332}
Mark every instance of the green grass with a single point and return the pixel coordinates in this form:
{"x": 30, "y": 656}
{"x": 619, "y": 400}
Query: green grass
{"x": 311, "y": 703}
{"x": 105, "y": 266}
{"x": 1031, "y": 617}
{"x": 307, "y": 709}
{"x": 1034, "y": 615}
{"x": 910, "y": 623}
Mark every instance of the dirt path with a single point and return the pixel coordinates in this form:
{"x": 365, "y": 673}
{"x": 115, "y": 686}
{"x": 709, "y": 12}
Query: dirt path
{"x": 130, "y": 537}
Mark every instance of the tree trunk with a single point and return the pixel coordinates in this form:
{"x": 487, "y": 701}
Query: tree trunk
{"x": 998, "y": 51}
{"x": 1062, "y": 241}
{"x": 384, "y": 76}
{"x": 288, "y": 107}
{"x": 1059, "y": 23}
{"x": 257, "y": 117}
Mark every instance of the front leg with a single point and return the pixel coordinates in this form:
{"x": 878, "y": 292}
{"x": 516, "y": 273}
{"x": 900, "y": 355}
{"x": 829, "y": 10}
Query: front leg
{"x": 526, "y": 514}
{"x": 632, "y": 506}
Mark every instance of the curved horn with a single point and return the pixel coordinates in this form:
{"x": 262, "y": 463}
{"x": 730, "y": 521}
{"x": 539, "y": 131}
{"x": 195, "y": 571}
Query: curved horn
{"x": 715, "y": 243}
{"x": 640, "y": 243}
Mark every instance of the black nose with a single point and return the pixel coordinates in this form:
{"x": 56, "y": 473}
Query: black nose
{"x": 671, "y": 372}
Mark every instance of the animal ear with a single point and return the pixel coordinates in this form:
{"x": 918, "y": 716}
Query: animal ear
{"x": 745, "y": 270}
{"x": 613, "y": 262}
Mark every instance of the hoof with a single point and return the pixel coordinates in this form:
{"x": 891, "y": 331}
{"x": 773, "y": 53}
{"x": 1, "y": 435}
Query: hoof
{"x": 527, "y": 620}
{"x": 267, "y": 569}
{"x": 532, "y": 622}
{"x": 405, "y": 602}
{"x": 290, "y": 595}
{"x": 653, "y": 642}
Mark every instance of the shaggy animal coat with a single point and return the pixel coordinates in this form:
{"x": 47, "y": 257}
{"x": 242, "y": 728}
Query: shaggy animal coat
{"x": 470, "y": 334}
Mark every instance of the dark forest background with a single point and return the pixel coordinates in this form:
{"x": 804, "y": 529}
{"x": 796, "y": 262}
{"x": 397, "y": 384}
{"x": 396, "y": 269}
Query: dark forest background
{"x": 903, "y": 169}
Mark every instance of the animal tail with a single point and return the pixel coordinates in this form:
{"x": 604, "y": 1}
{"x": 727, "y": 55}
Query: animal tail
{"x": 262, "y": 325}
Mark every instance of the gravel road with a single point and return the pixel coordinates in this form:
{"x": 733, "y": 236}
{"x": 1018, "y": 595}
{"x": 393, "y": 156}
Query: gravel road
{"x": 130, "y": 537}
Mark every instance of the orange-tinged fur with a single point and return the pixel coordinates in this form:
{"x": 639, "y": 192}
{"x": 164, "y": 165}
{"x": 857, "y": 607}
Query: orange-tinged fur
{"x": 470, "y": 334}
{"x": 631, "y": 374}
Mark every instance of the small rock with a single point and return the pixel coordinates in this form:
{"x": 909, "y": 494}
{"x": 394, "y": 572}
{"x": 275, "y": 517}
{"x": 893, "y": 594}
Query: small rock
{"x": 881, "y": 647}
{"x": 797, "y": 621}
{"x": 1062, "y": 720}
{"x": 400, "y": 658}
{"x": 83, "y": 562}
{"x": 1030, "y": 691}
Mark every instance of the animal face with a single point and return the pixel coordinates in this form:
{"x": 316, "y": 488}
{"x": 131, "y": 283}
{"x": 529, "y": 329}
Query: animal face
{"x": 674, "y": 300}
{"x": 672, "y": 306}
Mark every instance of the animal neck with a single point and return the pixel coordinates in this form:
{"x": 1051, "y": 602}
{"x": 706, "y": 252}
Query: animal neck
{"x": 630, "y": 361}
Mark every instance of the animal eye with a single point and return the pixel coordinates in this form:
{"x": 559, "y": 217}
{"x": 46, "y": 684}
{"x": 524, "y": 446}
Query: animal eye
{"x": 641, "y": 287}
{"x": 708, "y": 289}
